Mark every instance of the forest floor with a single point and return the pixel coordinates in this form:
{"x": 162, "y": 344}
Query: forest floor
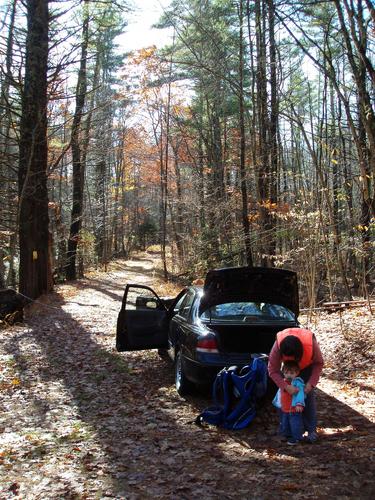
{"x": 80, "y": 421}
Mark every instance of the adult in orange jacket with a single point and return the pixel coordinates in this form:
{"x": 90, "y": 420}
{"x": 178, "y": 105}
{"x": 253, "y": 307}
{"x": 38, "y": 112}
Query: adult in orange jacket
{"x": 299, "y": 344}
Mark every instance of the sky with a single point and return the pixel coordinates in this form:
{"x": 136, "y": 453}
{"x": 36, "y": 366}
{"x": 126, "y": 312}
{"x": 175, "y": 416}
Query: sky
{"x": 139, "y": 32}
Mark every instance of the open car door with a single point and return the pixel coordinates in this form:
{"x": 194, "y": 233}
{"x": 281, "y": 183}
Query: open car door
{"x": 143, "y": 320}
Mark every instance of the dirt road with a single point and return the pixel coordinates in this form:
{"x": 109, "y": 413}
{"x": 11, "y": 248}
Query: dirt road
{"x": 81, "y": 421}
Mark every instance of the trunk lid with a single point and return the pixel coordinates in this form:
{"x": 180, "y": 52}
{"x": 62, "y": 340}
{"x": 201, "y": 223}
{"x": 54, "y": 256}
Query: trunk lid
{"x": 251, "y": 284}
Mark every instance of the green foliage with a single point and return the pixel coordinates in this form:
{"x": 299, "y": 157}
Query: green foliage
{"x": 147, "y": 232}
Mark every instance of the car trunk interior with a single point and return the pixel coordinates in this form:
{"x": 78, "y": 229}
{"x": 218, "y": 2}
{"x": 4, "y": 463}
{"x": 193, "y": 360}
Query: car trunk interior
{"x": 245, "y": 338}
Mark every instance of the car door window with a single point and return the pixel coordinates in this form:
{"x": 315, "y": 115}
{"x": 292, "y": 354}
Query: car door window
{"x": 179, "y": 303}
{"x": 142, "y": 299}
{"x": 186, "y": 305}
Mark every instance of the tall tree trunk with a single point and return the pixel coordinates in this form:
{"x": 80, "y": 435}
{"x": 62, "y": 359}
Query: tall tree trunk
{"x": 261, "y": 107}
{"x": 245, "y": 212}
{"x": 179, "y": 223}
{"x": 8, "y": 179}
{"x": 34, "y": 238}
{"x": 164, "y": 178}
{"x": 253, "y": 73}
{"x": 78, "y": 167}
{"x": 164, "y": 196}
{"x": 100, "y": 191}
{"x": 272, "y": 135}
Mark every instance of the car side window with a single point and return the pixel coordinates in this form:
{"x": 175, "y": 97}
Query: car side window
{"x": 178, "y": 305}
{"x": 186, "y": 305}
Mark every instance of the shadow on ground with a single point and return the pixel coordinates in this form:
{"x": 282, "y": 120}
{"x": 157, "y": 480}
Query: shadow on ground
{"x": 149, "y": 447}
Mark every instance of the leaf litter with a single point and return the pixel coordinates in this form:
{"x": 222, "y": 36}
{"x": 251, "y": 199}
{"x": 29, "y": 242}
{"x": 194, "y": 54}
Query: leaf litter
{"x": 80, "y": 421}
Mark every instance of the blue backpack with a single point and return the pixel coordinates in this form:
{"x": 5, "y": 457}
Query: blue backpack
{"x": 234, "y": 393}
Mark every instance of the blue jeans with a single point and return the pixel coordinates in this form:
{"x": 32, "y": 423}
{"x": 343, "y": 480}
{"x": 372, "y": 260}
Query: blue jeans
{"x": 309, "y": 413}
{"x": 292, "y": 425}
{"x": 309, "y": 419}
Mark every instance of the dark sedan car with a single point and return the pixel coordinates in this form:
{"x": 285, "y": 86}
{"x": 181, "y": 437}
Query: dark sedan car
{"x": 234, "y": 316}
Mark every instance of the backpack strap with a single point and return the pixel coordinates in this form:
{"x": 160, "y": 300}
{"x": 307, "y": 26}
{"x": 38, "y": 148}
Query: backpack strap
{"x": 221, "y": 395}
{"x": 213, "y": 415}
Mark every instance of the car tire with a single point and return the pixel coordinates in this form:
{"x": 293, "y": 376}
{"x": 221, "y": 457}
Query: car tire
{"x": 183, "y": 385}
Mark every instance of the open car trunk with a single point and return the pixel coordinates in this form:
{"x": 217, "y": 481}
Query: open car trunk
{"x": 246, "y": 338}
{"x": 251, "y": 284}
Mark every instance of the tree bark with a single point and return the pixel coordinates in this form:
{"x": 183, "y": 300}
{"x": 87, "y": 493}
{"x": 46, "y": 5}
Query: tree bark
{"x": 245, "y": 212}
{"x": 263, "y": 126}
{"x": 78, "y": 167}
{"x": 34, "y": 268}
{"x": 7, "y": 191}
{"x": 272, "y": 135}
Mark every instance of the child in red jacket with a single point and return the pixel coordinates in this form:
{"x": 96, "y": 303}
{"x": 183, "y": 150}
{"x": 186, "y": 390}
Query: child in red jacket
{"x": 292, "y": 406}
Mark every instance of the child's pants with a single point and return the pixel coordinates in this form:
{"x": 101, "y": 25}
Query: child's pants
{"x": 292, "y": 425}
{"x": 309, "y": 413}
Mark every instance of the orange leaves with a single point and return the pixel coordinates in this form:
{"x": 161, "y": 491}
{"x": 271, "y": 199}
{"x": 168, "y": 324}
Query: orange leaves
{"x": 144, "y": 54}
{"x": 253, "y": 217}
{"x": 268, "y": 205}
{"x": 272, "y": 207}
{"x": 279, "y": 209}
{"x": 140, "y": 164}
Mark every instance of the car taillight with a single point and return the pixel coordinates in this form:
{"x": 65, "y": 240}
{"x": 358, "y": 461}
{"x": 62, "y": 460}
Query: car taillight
{"x": 207, "y": 345}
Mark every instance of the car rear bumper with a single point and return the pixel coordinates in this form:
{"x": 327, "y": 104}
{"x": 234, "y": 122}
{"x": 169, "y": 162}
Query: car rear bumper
{"x": 198, "y": 373}
{"x": 204, "y": 370}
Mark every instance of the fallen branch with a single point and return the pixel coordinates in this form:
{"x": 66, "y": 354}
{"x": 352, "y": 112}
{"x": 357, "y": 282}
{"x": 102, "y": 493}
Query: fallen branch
{"x": 340, "y": 306}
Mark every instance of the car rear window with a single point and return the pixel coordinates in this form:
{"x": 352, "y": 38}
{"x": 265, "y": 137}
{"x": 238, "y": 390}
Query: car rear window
{"x": 247, "y": 311}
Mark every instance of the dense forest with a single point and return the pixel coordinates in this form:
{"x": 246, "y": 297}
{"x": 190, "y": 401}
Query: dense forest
{"x": 248, "y": 140}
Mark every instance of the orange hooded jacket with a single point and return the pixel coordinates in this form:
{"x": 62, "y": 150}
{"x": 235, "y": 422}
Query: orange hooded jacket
{"x": 306, "y": 337}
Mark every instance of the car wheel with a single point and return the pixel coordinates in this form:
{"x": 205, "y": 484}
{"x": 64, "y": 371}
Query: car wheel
{"x": 183, "y": 385}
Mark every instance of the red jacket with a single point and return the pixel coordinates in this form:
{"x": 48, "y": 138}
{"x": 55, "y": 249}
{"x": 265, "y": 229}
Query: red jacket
{"x": 286, "y": 399}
